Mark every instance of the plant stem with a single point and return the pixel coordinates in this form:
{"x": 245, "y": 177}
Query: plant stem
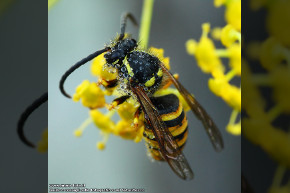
{"x": 51, "y": 3}
{"x": 261, "y": 79}
{"x": 85, "y": 124}
{"x": 146, "y": 23}
{"x": 233, "y": 117}
{"x": 278, "y": 176}
{"x": 274, "y": 112}
{"x": 230, "y": 75}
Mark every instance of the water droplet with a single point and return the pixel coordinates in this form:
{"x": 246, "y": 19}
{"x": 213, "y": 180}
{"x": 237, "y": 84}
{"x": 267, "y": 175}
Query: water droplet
{"x": 123, "y": 69}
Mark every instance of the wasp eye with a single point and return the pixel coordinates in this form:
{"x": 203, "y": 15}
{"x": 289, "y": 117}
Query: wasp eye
{"x": 133, "y": 43}
{"x": 107, "y": 55}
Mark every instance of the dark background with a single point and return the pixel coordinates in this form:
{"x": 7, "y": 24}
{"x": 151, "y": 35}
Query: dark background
{"x": 257, "y": 166}
{"x": 23, "y": 52}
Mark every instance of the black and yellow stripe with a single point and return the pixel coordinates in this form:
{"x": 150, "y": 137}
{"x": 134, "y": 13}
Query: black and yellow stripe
{"x": 171, "y": 111}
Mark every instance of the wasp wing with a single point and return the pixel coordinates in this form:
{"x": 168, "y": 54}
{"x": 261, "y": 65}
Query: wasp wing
{"x": 168, "y": 146}
{"x": 210, "y": 127}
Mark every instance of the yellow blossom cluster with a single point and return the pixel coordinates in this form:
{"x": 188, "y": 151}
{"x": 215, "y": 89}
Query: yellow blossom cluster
{"x": 273, "y": 55}
{"x": 209, "y": 58}
{"x": 93, "y": 95}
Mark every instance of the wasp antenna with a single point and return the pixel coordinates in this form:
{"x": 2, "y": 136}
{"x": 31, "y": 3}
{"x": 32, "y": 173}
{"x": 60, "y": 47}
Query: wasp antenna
{"x": 76, "y": 66}
{"x": 124, "y": 22}
{"x": 26, "y": 114}
{"x": 246, "y": 188}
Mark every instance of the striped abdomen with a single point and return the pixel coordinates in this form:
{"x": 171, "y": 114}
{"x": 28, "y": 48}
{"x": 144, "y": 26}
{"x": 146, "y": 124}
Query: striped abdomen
{"x": 171, "y": 111}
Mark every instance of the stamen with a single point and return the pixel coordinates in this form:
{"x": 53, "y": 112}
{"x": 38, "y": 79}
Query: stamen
{"x": 78, "y": 132}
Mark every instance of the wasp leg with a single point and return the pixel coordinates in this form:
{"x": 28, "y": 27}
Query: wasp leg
{"x": 108, "y": 83}
{"x": 136, "y": 116}
{"x": 117, "y": 102}
{"x": 124, "y": 22}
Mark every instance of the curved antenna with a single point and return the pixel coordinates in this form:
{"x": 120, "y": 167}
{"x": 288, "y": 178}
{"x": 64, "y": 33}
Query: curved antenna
{"x": 76, "y": 66}
{"x": 246, "y": 188}
{"x": 26, "y": 114}
{"x": 124, "y": 18}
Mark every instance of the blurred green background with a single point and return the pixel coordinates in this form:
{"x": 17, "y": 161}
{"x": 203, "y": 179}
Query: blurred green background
{"x": 78, "y": 28}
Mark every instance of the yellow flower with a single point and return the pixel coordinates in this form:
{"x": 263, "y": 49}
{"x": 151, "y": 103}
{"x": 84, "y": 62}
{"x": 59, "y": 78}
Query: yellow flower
{"x": 216, "y": 33}
{"x": 253, "y": 50}
{"x": 257, "y": 128}
{"x": 270, "y": 56}
{"x": 216, "y": 85}
{"x": 204, "y": 52}
{"x": 274, "y": 141}
{"x": 278, "y": 20}
{"x": 126, "y": 130}
{"x": 253, "y": 101}
{"x": 159, "y": 52}
{"x": 233, "y": 14}
{"x": 230, "y": 94}
{"x": 218, "y": 3}
{"x": 98, "y": 68}
{"x": 90, "y": 95}
{"x": 282, "y": 189}
{"x": 78, "y": 133}
{"x": 229, "y": 35}
{"x": 191, "y": 46}
{"x": 102, "y": 121}
{"x": 280, "y": 80}
{"x": 235, "y": 58}
{"x": 42, "y": 145}
{"x": 234, "y": 129}
{"x": 97, "y": 65}
{"x": 257, "y": 4}
{"x": 127, "y": 109}
{"x": 101, "y": 145}
{"x": 209, "y": 60}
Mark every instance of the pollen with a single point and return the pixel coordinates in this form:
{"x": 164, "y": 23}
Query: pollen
{"x": 90, "y": 95}
{"x": 78, "y": 133}
{"x": 234, "y": 129}
{"x": 159, "y": 52}
{"x": 112, "y": 105}
{"x": 101, "y": 145}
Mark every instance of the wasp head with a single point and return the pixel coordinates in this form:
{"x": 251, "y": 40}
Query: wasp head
{"x": 120, "y": 50}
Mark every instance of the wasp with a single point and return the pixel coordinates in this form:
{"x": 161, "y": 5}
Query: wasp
{"x": 141, "y": 74}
